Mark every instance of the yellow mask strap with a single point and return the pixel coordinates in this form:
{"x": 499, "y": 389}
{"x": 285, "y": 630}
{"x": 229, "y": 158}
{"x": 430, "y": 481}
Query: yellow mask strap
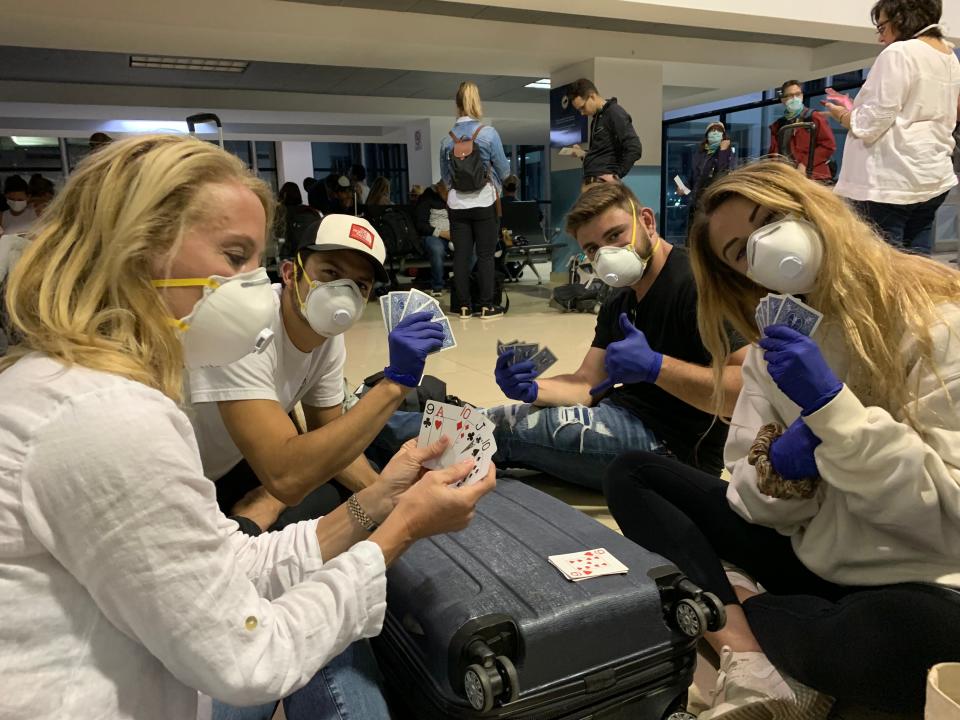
{"x": 633, "y": 235}
{"x": 187, "y": 282}
{"x": 296, "y": 284}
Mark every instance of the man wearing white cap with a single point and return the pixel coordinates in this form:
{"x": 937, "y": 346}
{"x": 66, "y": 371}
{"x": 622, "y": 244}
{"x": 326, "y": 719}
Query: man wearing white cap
{"x": 248, "y": 443}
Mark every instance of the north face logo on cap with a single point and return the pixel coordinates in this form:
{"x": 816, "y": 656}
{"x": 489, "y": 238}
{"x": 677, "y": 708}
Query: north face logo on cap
{"x": 361, "y": 234}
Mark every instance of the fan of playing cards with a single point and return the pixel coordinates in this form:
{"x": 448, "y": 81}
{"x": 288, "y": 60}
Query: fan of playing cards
{"x": 541, "y": 359}
{"x": 787, "y": 310}
{"x": 395, "y": 306}
{"x": 587, "y": 564}
{"x": 470, "y": 434}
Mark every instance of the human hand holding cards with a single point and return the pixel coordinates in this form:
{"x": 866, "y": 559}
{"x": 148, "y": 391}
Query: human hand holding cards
{"x": 470, "y": 436}
{"x": 518, "y": 364}
{"x": 794, "y": 360}
{"x": 397, "y": 306}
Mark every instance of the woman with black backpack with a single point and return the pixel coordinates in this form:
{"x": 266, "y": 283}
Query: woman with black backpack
{"x": 473, "y": 165}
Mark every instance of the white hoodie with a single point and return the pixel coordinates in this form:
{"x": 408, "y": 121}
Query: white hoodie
{"x": 888, "y": 507}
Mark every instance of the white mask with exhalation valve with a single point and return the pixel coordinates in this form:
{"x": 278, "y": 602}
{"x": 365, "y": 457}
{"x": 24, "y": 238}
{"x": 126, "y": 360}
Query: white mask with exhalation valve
{"x": 331, "y": 308}
{"x": 622, "y": 266}
{"x": 230, "y": 321}
{"x": 785, "y": 256}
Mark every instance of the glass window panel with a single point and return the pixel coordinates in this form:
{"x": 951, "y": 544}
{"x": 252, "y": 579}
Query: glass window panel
{"x": 682, "y": 139}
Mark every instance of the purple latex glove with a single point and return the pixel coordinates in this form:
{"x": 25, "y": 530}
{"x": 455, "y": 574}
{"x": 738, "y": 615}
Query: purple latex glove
{"x": 791, "y": 454}
{"x": 630, "y": 360}
{"x": 799, "y": 369}
{"x": 516, "y": 381}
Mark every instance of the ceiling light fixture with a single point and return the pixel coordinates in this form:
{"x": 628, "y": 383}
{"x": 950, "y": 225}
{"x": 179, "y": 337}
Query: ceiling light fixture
{"x": 23, "y": 141}
{"x": 542, "y": 84}
{"x": 164, "y": 62}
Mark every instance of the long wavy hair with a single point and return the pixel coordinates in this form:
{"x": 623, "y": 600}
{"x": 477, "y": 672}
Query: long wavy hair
{"x": 873, "y": 293}
{"x": 82, "y": 291}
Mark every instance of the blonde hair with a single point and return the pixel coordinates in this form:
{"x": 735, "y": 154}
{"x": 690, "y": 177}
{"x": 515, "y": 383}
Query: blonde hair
{"x": 82, "y": 292}
{"x": 873, "y": 293}
{"x": 379, "y": 192}
{"x": 468, "y": 100}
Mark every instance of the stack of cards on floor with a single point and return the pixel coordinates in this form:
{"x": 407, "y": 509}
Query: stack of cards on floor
{"x": 395, "y": 306}
{"x": 787, "y": 310}
{"x": 470, "y": 435}
{"x": 587, "y": 564}
{"x": 541, "y": 359}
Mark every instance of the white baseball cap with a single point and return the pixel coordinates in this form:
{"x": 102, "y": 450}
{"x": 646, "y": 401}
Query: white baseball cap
{"x": 349, "y": 232}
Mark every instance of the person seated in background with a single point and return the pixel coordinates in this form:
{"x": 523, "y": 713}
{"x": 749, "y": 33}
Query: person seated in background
{"x": 41, "y": 192}
{"x": 379, "y": 192}
{"x": 791, "y": 95}
{"x": 414, "y": 194}
{"x": 241, "y": 412}
{"x": 358, "y": 177}
{"x": 139, "y": 591}
{"x": 293, "y": 218}
{"x": 844, "y": 456}
{"x": 433, "y": 224}
{"x": 345, "y": 197}
{"x": 511, "y": 186}
{"x": 645, "y": 383}
{"x": 98, "y": 141}
{"x": 19, "y": 216}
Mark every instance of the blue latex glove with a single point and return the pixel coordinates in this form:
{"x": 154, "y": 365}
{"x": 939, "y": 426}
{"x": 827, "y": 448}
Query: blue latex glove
{"x": 791, "y": 454}
{"x": 414, "y": 337}
{"x": 630, "y": 360}
{"x": 797, "y": 366}
{"x": 516, "y": 381}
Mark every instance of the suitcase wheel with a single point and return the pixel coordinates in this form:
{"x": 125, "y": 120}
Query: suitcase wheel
{"x": 681, "y": 715}
{"x": 691, "y": 617}
{"x": 492, "y": 681}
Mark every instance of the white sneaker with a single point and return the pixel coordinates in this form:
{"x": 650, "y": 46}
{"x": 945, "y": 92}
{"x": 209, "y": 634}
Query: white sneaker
{"x": 749, "y": 687}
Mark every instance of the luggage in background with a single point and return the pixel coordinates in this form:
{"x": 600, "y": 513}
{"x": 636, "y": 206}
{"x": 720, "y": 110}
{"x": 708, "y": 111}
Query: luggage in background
{"x": 400, "y": 237}
{"x": 480, "y": 625}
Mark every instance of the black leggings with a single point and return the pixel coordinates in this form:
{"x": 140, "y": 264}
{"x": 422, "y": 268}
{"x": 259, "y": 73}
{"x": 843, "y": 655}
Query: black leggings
{"x": 870, "y": 646}
{"x": 474, "y": 230}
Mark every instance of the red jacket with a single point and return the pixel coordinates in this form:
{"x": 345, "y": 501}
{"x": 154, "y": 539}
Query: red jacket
{"x": 800, "y": 143}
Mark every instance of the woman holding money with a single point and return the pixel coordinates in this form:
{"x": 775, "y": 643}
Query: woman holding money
{"x": 844, "y": 456}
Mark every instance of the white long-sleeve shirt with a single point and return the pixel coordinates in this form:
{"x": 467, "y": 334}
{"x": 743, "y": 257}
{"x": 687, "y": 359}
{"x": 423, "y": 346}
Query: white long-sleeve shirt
{"x": 122, "y": 584}
{"x": 888, "y": 506}
{"x": 900, "y": 145}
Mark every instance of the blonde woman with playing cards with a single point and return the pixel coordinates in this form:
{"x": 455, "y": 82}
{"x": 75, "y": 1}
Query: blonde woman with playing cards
{"x": 844, "y": 456}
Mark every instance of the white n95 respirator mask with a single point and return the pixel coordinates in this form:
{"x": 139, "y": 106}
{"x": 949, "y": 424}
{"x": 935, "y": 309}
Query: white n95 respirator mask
{"x": 785, "y": 256}
{"x": 230, "y": 321}
{"x": 622, "y": 266}
{"x": 331, "y": 308}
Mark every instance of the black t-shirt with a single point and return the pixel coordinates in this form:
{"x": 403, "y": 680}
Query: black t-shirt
{"x": 667, "y": 315}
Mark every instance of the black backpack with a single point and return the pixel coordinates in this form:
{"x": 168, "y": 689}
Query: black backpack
{"x": 400, "y": 237}
{"x": 466, "y": 164}
{"x": 299, "y": 220}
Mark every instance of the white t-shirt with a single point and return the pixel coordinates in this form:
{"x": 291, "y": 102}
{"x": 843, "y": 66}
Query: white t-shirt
{"x": 14, "y": 224}
{"x": 281, "y": 373}
{"x": 125, "y": 588}
{"x": 900, "y": 145}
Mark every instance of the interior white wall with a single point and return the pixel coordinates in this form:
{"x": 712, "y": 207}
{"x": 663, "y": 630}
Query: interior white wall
{"x": 294, "y": 162}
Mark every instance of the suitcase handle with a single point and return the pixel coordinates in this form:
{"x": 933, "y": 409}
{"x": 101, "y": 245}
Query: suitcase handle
{"x": 786, "y": 134}
{"x": 202, "y": 118}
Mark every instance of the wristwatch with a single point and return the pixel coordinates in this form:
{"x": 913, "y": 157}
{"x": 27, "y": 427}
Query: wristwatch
{"x": 360, "y": 515}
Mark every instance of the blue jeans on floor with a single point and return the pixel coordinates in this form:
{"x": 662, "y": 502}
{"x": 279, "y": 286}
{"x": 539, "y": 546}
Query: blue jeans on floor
{"x": 347, "y": 688}
{"x": 436, "y": 253}
{"x": 909, "y": 227}
{"x": 574, "y": 444}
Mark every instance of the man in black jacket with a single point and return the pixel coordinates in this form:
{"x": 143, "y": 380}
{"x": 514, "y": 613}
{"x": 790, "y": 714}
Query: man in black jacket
{"x": 614, "y": 145}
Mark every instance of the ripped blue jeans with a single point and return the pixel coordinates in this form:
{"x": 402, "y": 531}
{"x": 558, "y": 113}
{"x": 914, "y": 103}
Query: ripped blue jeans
{"x": 574, "y": 444}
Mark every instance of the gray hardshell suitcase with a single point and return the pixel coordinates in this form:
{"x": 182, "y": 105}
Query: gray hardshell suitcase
{"x": 480, "y": 625}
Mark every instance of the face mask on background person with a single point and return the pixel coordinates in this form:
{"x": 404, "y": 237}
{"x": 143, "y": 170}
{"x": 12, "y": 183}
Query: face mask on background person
{"x": 17, "y": 206}
{"x": 785, "y": 256}
{"x": 794, "y": 105}
{"x": 331, "y": 308}
{"x": 714, "y": 137}
{"x": 622, "y": 266}
{"x": 230, "y": 321}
